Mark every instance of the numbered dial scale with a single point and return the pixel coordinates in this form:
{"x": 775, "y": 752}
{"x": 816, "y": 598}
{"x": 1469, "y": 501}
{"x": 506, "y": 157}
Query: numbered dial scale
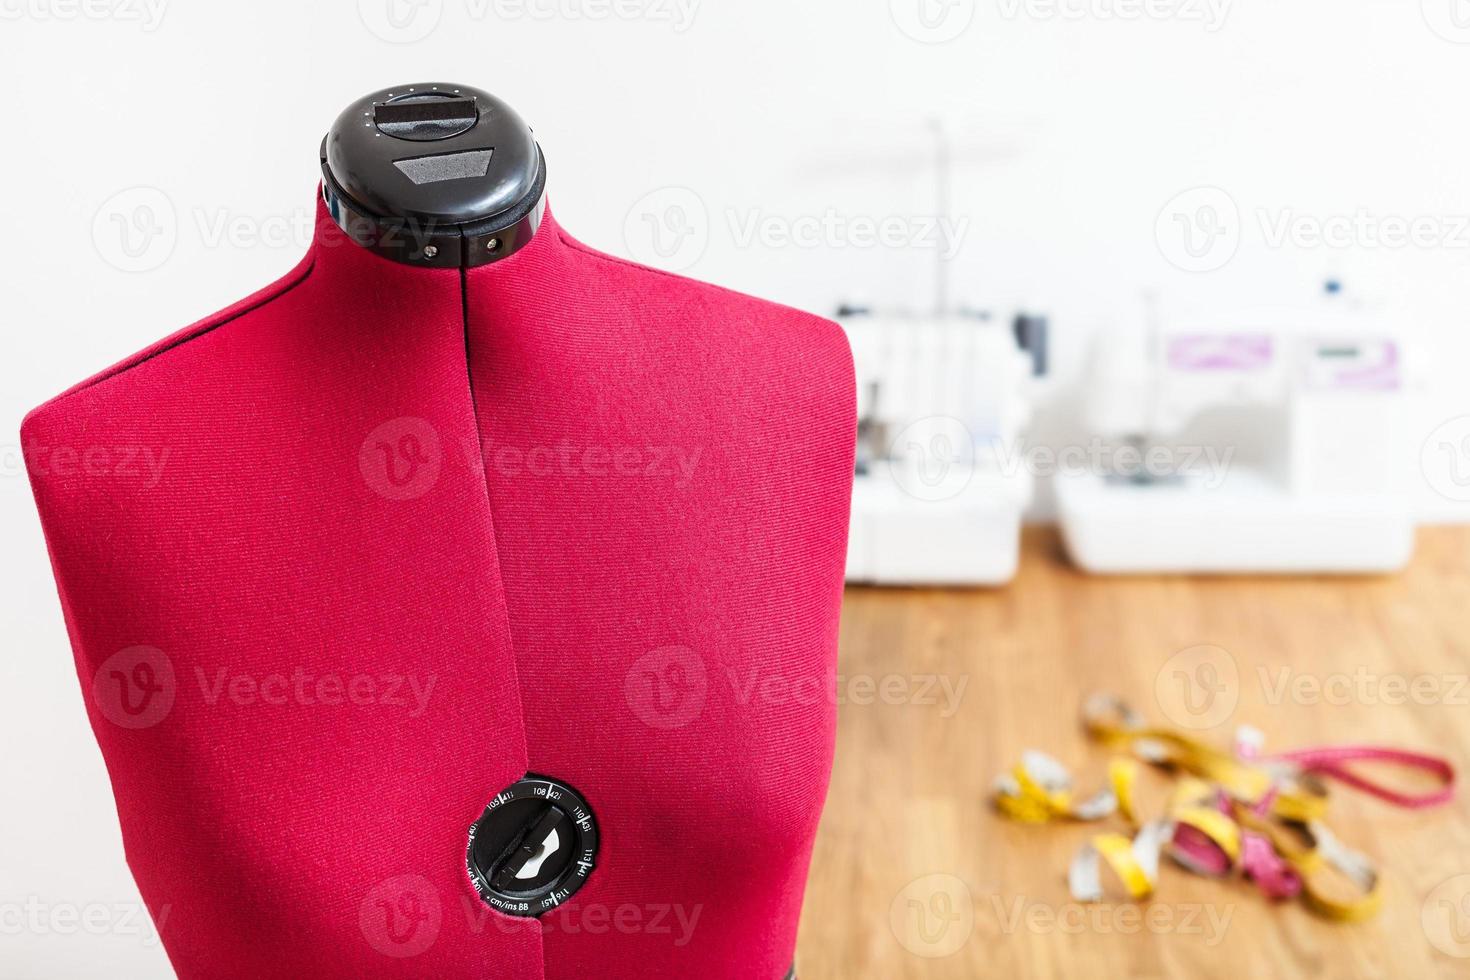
{"x": 532, "y": 848}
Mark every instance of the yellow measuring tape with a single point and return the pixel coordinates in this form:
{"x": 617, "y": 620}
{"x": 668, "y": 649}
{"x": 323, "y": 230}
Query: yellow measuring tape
{"x": 1225, "y": 815}
{"x": 1111, "y": 722}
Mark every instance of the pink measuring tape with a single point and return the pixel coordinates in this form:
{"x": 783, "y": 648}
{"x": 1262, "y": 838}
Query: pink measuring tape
{"x": 1333, "y": 762}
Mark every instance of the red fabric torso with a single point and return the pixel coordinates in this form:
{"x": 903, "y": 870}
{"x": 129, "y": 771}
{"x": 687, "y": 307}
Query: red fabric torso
{"x": 390, "y": 538}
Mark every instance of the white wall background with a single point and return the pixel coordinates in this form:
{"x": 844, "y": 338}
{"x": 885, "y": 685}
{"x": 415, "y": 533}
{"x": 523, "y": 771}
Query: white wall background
{"x": 1077, "y": 121}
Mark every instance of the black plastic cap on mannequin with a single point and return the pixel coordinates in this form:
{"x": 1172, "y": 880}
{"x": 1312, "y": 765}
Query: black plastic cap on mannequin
{"x": 434, "y": 174}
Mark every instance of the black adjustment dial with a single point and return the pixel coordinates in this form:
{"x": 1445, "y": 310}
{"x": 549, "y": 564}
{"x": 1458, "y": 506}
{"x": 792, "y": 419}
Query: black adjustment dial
{"x": 532, "y": 848}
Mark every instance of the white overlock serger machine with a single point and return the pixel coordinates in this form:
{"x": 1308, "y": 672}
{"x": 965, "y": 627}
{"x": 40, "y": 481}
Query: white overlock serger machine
{"x": 940, "y": 486}
{"x": 1261, "y": 442}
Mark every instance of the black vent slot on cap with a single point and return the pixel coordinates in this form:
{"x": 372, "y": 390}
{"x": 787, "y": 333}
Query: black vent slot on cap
{"x": 445, "y": 166}
{"x": 427, "y": 117}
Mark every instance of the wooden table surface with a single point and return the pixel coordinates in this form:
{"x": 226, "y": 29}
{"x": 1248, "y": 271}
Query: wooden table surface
{"x": 915, "y": 874}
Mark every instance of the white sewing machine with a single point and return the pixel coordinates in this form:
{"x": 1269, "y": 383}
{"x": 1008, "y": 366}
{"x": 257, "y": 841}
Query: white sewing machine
{"x": 940, "y": 485}
{"x": 1268, "y": 443}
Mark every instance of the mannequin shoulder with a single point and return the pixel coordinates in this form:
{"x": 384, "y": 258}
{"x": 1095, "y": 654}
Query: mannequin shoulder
{"x": 714, "y": 317}
{"x": 161, "y": 373}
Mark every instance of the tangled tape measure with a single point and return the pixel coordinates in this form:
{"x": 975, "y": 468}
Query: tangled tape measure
{"x": 1242, "y": 812}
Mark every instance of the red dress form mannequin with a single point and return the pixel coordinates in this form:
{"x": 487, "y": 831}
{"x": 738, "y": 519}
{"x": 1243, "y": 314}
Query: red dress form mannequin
{"x": 418, "y": 532}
